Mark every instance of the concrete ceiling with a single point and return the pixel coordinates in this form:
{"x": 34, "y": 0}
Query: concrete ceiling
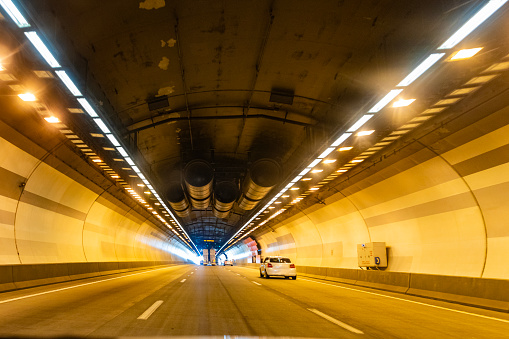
{"x": 186, "y": 80}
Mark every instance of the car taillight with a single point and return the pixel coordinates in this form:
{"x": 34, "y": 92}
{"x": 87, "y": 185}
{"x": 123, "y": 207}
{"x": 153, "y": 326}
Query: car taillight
{"x": 269, "y": 265}
{"x": 292, "y": 265}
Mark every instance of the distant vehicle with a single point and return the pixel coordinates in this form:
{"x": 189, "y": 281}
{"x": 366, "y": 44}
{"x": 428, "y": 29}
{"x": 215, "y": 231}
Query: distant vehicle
{"x": 278, "y": 266}
{"x": 228, "y": 262}
{"x": 201, "y": 262}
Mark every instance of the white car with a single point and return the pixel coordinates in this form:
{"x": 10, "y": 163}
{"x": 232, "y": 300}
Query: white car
{"x": 278, "y": 266}
{"x": 228, "y": 262}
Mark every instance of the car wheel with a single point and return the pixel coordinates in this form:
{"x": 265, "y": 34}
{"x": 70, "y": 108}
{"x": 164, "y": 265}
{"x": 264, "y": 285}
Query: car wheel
{"x": 261, "y": 275}
{"x": 287, "y": 277}
{"x": 267, "y": 276}
{"x": 295, "y": 278}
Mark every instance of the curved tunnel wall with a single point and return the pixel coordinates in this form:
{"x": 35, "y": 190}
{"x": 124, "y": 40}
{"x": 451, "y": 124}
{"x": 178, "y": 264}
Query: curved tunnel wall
{"x": 50, "y": 213}
{"x": 441, "y": 208}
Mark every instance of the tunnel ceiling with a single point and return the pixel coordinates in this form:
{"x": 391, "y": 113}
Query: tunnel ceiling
{"x": 232, "y": 82}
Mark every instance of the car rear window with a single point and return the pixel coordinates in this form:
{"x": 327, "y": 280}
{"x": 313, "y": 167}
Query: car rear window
{"x": 280, "y": 260}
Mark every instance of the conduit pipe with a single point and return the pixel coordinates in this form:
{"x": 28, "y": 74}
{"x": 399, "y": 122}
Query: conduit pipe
{"x": 225, "y": 194}
{"x": 263, "y": 175}
{"x": 178, "y": 200}
{"x": 198, "y": 177}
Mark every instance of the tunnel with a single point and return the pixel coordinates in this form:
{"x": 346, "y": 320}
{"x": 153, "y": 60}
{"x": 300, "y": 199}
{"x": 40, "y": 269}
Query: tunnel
{"x": 318, "y": 169}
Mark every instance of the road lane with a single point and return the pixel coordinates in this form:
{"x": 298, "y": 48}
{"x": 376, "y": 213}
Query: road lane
{"x": 198, "y": 301}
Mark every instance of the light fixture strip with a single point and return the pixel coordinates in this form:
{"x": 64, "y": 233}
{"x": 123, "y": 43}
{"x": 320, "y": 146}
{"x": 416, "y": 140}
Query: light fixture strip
{"x": 68, "y": 83}
{"x": 360, "y": 123}
{"x": 87, "y": 107}
{"x": 341, "y": 139}
{"x": 419, "y": 70}
{"x": 14, "y": 13}
{"x": 102, "y": 125}
{"x": 42, "y": 49}
{"x": 326, "y": 153}
{"x": 385, "y": 100}
{"x": 474, "y": 22}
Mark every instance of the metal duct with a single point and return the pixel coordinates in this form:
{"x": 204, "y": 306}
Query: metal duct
{"x": 263, "y": 175}
{"x": 177, "y": 200}
{"x": 198, "y": 176}
{"x": 225, "y": 194}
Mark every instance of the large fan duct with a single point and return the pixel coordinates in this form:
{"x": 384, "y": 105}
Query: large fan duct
{"x": 262, "y": 177}
{"x": 225, "y": 194}
{"x": 178, "y": 200}
{"x": 198, "y": 176}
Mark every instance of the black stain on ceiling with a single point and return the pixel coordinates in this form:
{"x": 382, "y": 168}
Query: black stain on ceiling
{"x": 301, "y": 55}
{"x": 121, "y": 55}
{"x": 219, "y": 28}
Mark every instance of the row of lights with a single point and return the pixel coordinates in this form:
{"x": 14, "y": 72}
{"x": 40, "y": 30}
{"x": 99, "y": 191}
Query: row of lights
{"x": 482, "y": 15}
{"x": 47, "y": 55}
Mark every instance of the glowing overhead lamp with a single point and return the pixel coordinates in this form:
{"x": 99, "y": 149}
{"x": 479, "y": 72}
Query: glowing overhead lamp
{"x": 68, "y": 83}
{"x": 147, "y": 192}
{"x": 385, "y": 100}
{"x": 102, "y": 125}
{"x": 317, "y": 171}
{"x": 97, "y": 160}
{"x": 14, "y": 13}
{"x": 27, "y": 96}
{"x": 360, "y": 122}
{"x": 314, "y": 163}
{"x": 465, "y": 54}
{"x": 343, "y": 149}
{"x": 294, "y": 189}
{"x": 326, "y": 152}
{"x": 419, "y": 70}
{"x": 403, "y": 102}
{"x": 481, "y": 16}
{"x": 120, "y": 150}
{"x": 329, "y": 161}
{"x": 314, "y": 188}
{"x": 307, "y": 179}
{"x": 2, "y": 68}
{"x": 285, "y": 196}
{"x": 341, "y": 139}
{"x": 42, "y": 49}
{"x": 88, "y": 108}
{"x": 363, "y": 133}
{"x": 52, "y": 120}
{"x": 357, "y": 160}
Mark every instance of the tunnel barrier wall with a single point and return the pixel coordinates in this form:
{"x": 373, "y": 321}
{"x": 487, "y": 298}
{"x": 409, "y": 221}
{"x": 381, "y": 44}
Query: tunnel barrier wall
{"x": 14, "y": 277}
{"x": 479, "y": 292}
{"x": 56, "y": 208}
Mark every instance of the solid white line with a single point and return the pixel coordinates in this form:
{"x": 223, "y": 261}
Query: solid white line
{"x": 411, "y": 301}
{"x": 254, "y": 282}
{"x": 182, "y": 280}
{"x": 80, "y": 285}
{"x": 335, "y": 321}
{"x": 150, "y": 310}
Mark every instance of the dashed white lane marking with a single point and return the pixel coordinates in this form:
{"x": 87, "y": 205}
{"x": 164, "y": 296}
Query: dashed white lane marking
{"x": 192, "y": 272}
{"x": 254, "y": 282}
{"x": 411, "y": 301}
{"x": 336, "y": 321}
{"x": 80, "y": 285}
{"x": 238, "y": 274}
{"x": 183, "y": 280}
{"x": 150, "y": 310}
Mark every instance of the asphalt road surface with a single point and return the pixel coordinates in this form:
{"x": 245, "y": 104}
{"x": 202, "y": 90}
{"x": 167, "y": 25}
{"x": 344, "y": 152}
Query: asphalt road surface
{"x": 216, "y": 301}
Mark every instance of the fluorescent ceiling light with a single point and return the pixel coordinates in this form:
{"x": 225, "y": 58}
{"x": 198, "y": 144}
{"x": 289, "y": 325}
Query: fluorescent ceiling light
{"x": 14, "y": 13}
{"x": 294, "y": 189}
{"x": 363, "y": 133}
{"x": 385, "y": 100}
{"x": 317, "y": 171}
{"x": 297, "y": 178}
{"x": 340, "y": 140}
{"x": 342, "y": 171}
{"x": 52, "y": 120}
{"x": 102, "y": 125}
{"x": 314, "y": 163}
{"x": 360, "y": 122}
{"x": 87, "y": 107}
{"x": 465, "y": 54}
{"x": 329, "y": 161}
{"x": 485, "y": 12}
{"x": 289, "y": 185}
{"x": 314, "y": 188}
{"x": 326, "y": 152}
{"x": 27, "y": 97}
{"x": 68, "y": 83}
{"x": 419, "y": 70}
{"x": 357, "y": 160}
{"x": 129, "y": 161}
{"x": 342, "y": 149}
{"x": 307, "y": 179}
{"x": 42, "y": 49}
{"x": 305, "y": 171}
{"x": 120, "y": 150}
{"x": 403, "y": 103}
{"x": 97, "y": 160}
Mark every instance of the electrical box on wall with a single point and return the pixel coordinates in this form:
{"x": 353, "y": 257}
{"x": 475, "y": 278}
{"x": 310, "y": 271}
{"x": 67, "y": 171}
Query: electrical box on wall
{"x": 372, "y": 254}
